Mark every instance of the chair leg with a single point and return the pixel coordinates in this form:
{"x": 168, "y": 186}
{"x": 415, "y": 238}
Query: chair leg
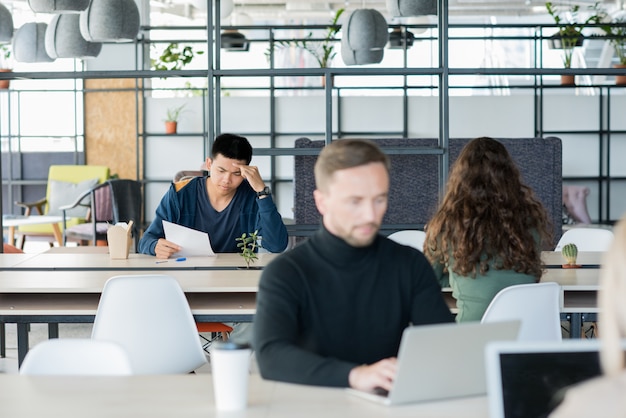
{"x": 19, "y": 243}
{"x": 3, "y": 340}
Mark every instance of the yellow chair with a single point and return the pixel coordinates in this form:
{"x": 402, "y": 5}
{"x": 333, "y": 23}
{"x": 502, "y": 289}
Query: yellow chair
{"x": 65, "y": 184}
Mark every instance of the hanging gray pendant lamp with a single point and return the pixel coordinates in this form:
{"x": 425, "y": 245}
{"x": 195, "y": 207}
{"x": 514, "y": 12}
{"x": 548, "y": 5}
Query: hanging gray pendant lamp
{"x": 364, "y": 37}
{"x": 63, "y": 39}
{"x": 29, "y": 43}
{"x": 110, "y": 21}
{"x": 6, "y": 24}
{"x": 412, "y": 7}
{"x": 58, "y": 6}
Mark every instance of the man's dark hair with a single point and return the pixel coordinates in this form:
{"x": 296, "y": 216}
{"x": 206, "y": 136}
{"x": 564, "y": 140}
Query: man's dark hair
{"x": 232, "y": 146}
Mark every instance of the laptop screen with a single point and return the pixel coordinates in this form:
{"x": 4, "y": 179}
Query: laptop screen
{"x": 533, "y": 384}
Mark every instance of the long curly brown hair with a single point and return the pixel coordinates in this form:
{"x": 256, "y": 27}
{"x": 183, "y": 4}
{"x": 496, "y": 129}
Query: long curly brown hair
{"x": 487, "y": 215}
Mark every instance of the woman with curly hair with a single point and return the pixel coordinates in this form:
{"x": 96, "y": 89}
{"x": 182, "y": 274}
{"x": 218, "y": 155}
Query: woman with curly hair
{"x": 489, "y": 230}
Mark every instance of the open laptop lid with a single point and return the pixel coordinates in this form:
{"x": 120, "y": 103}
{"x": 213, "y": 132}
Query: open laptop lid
{"x": 443, "y": 361}
{"x": 529, "y": 379}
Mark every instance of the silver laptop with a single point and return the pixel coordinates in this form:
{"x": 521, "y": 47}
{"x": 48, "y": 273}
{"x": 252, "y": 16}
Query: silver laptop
{"x": 442, "y": 361}
{"x": 529, "y": 379}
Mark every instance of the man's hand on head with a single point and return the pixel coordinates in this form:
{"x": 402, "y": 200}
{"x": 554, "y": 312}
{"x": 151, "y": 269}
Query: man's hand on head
{"x": 377, "y": 375}
{"x": 165, "y": 248}
{"x": 251, "y": 173}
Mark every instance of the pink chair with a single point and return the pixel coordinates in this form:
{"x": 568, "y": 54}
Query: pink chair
{"x": 575, "y": 201}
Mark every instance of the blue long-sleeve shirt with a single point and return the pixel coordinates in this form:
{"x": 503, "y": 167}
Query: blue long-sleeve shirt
{"x": 189, "y": 206}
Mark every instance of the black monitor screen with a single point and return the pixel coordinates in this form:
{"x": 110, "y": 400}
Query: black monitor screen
{"x": 533, "y": 384}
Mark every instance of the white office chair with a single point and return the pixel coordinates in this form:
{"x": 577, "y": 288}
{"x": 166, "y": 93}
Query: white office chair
{"x": 149, "y": 316}
{"x": 76, "y": 357}
{"x": 536, "y": 305}
{"x": 586, "y": 239}
{"x": 412, "y": 238}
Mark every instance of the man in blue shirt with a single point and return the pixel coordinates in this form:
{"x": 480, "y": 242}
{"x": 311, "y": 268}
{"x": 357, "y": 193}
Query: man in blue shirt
{"x": 233, "y": 200}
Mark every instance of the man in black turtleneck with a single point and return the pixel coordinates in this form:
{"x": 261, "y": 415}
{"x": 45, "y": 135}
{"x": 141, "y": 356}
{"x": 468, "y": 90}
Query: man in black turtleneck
{"x": 331, "y": 311}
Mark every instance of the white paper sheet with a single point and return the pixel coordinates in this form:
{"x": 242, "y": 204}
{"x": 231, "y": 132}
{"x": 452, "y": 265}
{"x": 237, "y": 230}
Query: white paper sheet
{"x": 191, "y": 241}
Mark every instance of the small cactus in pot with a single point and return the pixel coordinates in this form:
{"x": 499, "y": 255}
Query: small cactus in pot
{"x": 570, "y": 252}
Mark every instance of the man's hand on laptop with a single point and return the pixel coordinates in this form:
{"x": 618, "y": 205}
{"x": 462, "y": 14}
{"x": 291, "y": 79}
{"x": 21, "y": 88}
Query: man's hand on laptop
{"x": 377, "y": 375}
{"x": 165, "y": 248}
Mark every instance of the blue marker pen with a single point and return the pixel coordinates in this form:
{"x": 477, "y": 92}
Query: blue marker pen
{"x": 181, "y": 258}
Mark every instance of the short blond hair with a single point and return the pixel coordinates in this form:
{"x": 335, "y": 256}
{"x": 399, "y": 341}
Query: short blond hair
{"x": 346, "y": 153}
{"x": 612, "y": 302}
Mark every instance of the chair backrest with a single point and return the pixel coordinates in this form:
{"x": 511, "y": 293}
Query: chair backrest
{"x": 76, "y": 356}
{"x": 412, "y": 238}
{"x": 586, "y": 239}
{"x": 126, "y": 202}
{"x": 149, "y": 316}
{"x": 536, "y": 305}
{"x": 72, "y": 174}
{"x": 187, "y": 174}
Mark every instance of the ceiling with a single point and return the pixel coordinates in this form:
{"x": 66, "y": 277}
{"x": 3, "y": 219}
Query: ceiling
{"x": 249, "y": 12}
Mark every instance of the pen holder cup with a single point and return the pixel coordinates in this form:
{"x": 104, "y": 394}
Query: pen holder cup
{"x": 119, "y": 239}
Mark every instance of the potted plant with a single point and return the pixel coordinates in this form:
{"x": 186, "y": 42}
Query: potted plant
{"x": 323, "y": 51}
{"x": 248, "y": 245}
{"x": 616, "y": 32}
{"x": 569, "y": 35}
{"x": 5, "y": 67}
{"x": 174, "y": 57}
{"x": 171, "y": 121}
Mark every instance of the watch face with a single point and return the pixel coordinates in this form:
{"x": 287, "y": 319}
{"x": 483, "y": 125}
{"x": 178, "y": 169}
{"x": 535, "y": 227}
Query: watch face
{"x": 265, "y": 192}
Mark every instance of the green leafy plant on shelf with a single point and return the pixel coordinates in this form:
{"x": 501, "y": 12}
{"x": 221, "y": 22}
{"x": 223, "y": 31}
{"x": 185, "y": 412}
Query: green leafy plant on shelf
{"x": 5, "y": 56}
{"x": 616, "y": 32}
{"x": 323, "y": 51}
{"x": 248, "y": 244}
{"x": 570, "y": 30}
{"x": 174, "y": 57}
{"x": 173, "y": 113}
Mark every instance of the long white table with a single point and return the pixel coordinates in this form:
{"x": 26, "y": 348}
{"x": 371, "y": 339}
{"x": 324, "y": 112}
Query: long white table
{"x": 64, "y": 286}
{"x": 191, "y": 396}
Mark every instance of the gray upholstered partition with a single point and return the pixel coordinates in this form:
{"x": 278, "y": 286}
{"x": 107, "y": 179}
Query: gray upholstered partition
{"x": 413, "y": 194}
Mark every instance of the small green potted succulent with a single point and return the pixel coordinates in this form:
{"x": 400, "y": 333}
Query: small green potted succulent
{"x": 570, "y": 253}
{"x": 248, "y": 243}
{"x": 171, "y": 120}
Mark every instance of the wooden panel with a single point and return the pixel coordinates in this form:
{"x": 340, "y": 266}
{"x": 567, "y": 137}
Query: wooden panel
{"x": 110, "y": 125}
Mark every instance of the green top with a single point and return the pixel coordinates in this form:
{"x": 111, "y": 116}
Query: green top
{"x": 473, "y": 295}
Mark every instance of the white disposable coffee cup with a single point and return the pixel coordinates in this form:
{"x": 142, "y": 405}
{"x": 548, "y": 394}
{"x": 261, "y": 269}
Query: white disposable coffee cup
{"x": 230, "y": 366}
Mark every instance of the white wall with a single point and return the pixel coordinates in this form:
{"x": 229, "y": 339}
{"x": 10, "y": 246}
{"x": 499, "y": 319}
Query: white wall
{"x": 496, "y": 116}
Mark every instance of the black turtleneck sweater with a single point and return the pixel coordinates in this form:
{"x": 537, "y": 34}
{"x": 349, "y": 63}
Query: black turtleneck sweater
{"x": 325, "y": 307}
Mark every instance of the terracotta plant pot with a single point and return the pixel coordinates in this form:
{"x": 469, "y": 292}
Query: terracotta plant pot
{"x": 568, "y": 80}
{"x": 4, "y": 84}
{"x": 620, "y": 80}
{"x": 170, "y": 127}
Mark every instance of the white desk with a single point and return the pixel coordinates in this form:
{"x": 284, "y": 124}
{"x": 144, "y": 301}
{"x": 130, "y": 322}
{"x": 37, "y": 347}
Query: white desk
{"x": 191, "y": 396}
{"x": 13, "y": 222}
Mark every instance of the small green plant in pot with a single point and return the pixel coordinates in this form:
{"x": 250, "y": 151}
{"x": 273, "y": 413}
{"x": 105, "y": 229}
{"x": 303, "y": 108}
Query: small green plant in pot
{"x": 171, "y": 120}
{"x": 570, "y": 253}
{"x": 570, "y": 30}
{"x": 5, "y": 63}
{"x": 615, "y": 29}
{"x": 248, "y": 244}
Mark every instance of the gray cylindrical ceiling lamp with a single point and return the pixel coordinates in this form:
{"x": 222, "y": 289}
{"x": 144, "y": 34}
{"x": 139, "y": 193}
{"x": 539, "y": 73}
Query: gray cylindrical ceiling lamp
{"x": 63, "y": 38}
{"x": 58, "y": 6}
{"x": 6, "y": 24}
{"x": 29, "y": 43}
{"x": 110, "y": 21}
{"x": 364, "y": 37}
{"x": 412, "y": 7}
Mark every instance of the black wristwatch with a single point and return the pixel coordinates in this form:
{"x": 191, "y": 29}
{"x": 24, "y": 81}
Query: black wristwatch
{"x": 265, "y": 192}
